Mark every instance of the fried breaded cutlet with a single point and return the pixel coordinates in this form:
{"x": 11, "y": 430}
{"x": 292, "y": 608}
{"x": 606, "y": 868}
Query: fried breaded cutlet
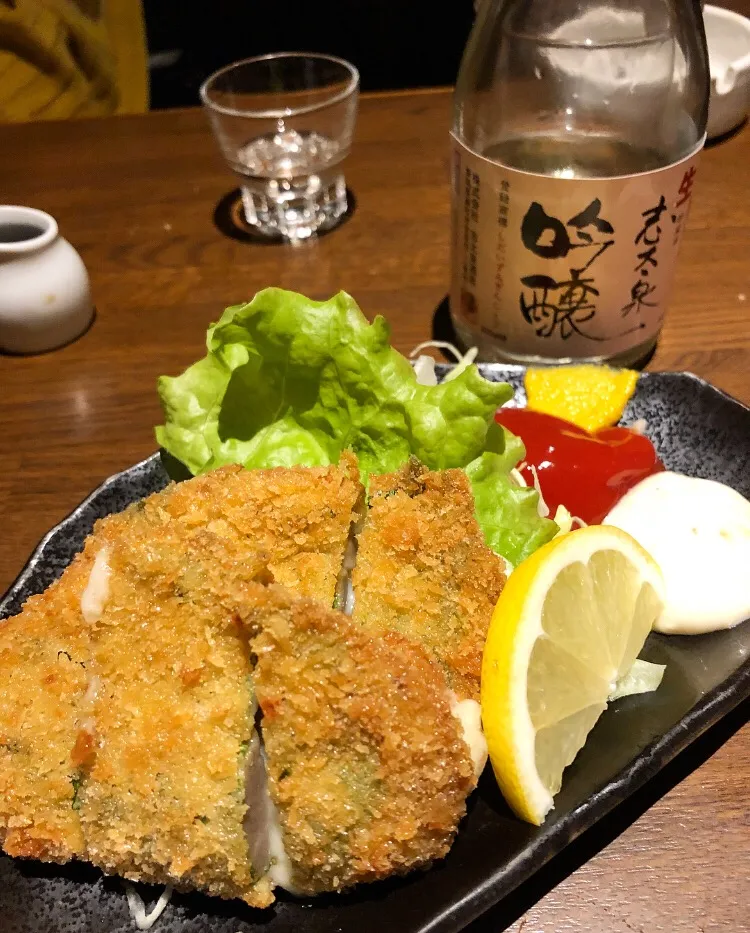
{"x": 367, "y": 767}
{"x": 424, "y": 570}
{"x": 128, "y": 691}
{"x": 43, "y": 651}
{"x": 161, "y": 794}
{"x": 300, "y": 516}
{"x": 126, "y": 709}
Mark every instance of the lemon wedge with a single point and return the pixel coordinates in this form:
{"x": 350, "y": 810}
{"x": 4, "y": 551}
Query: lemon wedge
{"x": 592, "y": 397}
{"x": 568, "y": 625}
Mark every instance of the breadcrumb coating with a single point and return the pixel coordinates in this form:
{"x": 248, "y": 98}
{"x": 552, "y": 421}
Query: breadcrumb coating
{"x": 43, "y": 652}
{"x": 367, "y": 765}
{"x": 300, "y": 516}
{"x": 424, "y": 570}
{"x": 162, "y": 788}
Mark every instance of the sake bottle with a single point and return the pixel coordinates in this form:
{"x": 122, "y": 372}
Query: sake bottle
{"x": 577, "y": 129}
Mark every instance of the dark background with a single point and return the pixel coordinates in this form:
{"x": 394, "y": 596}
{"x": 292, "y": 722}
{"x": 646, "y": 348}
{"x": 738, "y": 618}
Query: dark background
{"x": 394, "y": 43}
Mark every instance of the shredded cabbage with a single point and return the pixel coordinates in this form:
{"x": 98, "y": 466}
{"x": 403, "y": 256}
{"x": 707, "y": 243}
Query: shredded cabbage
{"x": 643, "y": 677}
{"x": 565, "y": 521}
{"x": 424, "y": 370}
{"x": 143, "y": 920}
{"x": 421, "y": 364}
{"x": 517, "y": 477}
{"x": 563, "y": 518}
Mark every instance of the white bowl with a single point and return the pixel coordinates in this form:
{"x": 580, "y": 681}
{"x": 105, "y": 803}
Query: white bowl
{"x": 45, "y": 300}
{"x": 728, "y": 37}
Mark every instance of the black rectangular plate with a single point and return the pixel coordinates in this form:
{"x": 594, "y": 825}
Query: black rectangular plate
{"x": 696, "y": 430}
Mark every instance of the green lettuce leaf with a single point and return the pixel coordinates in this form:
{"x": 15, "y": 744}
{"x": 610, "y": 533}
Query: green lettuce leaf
{"x": 289, "y": 381}
{"x": 507, "y": 513}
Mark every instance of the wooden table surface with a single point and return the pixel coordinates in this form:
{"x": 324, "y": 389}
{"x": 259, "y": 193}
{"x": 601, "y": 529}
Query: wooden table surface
{"x": 136, "y": 196}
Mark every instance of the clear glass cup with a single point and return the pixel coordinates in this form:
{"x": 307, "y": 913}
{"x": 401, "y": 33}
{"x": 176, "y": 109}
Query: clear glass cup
{"x": 284, "y": 123}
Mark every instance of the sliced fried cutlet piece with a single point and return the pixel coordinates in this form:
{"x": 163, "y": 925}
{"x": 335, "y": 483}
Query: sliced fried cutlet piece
{"x": 300, "y": 516}
{"x": 424, "y": 570}
{"x": 367, "y": 766}
{"x": 43, "y": 679}
{"x": 162, "y": 797}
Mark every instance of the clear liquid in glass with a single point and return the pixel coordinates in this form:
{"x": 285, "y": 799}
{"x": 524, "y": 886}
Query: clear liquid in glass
{"x": 291, "y": 183}
{"x": 585, "y": 155}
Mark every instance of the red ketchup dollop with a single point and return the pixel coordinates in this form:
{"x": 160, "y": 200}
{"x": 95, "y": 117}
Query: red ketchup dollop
{"x": 587, "y": 473}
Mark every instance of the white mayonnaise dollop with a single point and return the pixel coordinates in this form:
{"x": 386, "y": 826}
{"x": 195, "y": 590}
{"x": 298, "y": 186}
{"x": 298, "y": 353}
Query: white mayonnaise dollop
{"x": 698, "y": 531}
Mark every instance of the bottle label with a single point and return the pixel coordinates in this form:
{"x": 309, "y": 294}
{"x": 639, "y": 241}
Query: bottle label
{"x": 565, "y": 267}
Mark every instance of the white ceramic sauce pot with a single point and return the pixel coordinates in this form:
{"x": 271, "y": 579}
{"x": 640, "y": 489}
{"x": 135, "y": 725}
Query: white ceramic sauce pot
{"x": 45, "y": 299}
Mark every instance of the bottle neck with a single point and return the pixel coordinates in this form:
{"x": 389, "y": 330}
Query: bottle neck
{"x": 630, "y": 74}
